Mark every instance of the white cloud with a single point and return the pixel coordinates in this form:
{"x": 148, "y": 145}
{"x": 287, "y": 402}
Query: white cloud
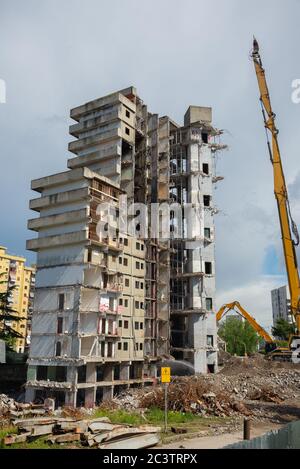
{"x": 255, "y": 297}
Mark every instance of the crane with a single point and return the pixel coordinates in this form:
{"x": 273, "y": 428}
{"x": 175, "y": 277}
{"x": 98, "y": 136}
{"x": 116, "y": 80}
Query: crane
{"x": 236, "y": 306}
{"x": 287, "y": 225}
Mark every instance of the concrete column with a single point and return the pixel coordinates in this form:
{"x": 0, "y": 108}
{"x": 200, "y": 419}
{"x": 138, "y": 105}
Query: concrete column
{"x": 70, "y": 398}
{"x": 124, "y": 372}
{"x": 31, "y": 373}
{"x": 90, "y": 397}
{"x": 91, "y": 373}
{"x": 71, "y": 375}
{"x": 108, "y": 373}
{"x": 107, "y": 393}
{"x": 200, "y": 362}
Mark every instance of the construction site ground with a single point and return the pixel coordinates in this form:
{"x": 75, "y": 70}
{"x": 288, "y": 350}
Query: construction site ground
{"x": 204, "y": 411}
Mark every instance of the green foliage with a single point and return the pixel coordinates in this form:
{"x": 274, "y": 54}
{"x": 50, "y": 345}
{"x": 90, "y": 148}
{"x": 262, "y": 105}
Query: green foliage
{"x": 151, "y": 416}
{"x": 7, "y": 315}
{"x": 240, "y": 337}
{"x": 283, "y": 329}
{"x": 157, "y": 416}
{"x": 120, "y": 416}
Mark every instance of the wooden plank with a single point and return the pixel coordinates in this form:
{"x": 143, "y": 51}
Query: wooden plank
{"x": 9, "y": 439}
{"x": 80, "y": 425}
{"x": 22, "y": 437}
{"x": 64, "y": 438}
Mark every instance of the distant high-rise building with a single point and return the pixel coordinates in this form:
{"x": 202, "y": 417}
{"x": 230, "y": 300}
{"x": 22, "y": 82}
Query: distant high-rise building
{"x": 281, "y": 304}
{"x": 15, "y": 273}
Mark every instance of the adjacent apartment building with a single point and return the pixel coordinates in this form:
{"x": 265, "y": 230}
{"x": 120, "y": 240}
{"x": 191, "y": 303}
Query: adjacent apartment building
{"x": 111, "y": 302}
{"x": 14, "y": 273}
{"x": 281, "y": 305}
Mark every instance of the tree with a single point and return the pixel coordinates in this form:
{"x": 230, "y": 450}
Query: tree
{"x": 7, "y": 315}
{"x": 283, "y": 329}
{"x": 240, "y": 337}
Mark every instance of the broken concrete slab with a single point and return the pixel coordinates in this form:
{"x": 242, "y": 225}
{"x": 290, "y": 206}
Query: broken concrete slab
{"x": 136, "y": 442}
{"x": 31, "y": 422}
{"x": 93, "y": 440}
{"x": 100, "y": 419}
{"x": 41, "y": 430}
{"x": 125, "y": 432}
{"x": 96, "y": 427}
{"x": 78, "y": 426}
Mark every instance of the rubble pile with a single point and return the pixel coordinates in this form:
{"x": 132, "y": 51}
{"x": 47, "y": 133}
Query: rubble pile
{"x": 6, "y": 404}
{"x": 99, "y": 433}
{"x": 240, "y": 382}
{"x": 269, "y": 387}
{"x": 194, "y": 395}
{"x": 11, "y": 408}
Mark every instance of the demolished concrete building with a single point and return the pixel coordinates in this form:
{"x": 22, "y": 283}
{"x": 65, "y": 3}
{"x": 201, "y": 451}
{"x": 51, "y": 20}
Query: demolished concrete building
{"x": 108, "y": 308}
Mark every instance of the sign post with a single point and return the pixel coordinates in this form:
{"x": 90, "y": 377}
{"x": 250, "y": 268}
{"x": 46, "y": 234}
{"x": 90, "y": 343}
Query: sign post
{"x": 165, "y": 379}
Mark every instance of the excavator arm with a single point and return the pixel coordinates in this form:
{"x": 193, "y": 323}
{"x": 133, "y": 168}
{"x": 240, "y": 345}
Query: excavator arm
{"x": 280, "y": 189}
{"x": 235, "y": 306}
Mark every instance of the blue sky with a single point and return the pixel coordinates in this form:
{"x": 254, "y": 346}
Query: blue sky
{"x": 55, "y": 55}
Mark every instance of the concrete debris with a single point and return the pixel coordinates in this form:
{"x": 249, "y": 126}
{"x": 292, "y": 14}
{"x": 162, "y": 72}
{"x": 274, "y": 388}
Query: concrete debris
{"x": 91, "y": 433}
{"x": 120, "y": 432}
{"x": 10, "y": 407}
{"x": 49, "y": 404}
{"x": 97, "y": 427}
{"x": 39, "y": 430}
{"x": 229, "y": 393}
{"x": 77, "y": 426}
{"x": 64, "y": 438}
{"x": 146, "y": 440}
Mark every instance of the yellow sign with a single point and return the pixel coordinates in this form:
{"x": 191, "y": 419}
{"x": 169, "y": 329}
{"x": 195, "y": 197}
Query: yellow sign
{"x": 165, "y": 375}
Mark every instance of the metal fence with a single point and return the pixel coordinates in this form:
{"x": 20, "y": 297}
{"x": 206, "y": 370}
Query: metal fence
{"x": 287, "y": 437}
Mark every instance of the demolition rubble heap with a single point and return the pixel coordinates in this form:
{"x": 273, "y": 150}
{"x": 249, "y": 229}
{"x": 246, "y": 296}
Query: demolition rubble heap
{"x": 234, "y": 391}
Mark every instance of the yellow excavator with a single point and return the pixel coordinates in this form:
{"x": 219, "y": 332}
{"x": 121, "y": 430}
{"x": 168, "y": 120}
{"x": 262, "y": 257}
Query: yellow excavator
{"x": 270, "y": 344}
{"x": 287, "y": 225}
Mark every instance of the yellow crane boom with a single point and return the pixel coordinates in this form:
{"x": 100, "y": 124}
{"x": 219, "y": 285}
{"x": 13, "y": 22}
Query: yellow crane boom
{"x": 286, "y": 223}
{"x": 236, "y": 306}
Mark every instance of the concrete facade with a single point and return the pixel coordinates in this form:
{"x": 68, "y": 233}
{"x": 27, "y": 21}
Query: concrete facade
{"x": 14, "y": 273}
{"x": 107, "y": 309}
{"x": 192, "y": 165}
{"x": 88, "y": 323}
{"x": 281, "y": 305}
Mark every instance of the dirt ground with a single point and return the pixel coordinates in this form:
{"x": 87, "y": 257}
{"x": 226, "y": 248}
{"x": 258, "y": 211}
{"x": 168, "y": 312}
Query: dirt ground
{"x": 219, "y": 441}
